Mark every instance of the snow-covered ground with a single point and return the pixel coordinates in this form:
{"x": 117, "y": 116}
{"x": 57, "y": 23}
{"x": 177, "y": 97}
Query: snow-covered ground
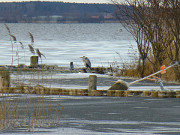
{"x": 80, "y": 80}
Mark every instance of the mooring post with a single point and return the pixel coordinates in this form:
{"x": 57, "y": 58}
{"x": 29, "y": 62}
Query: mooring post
{"x": 92, "y": 83}
{"x": 71, "y": 66}
{"x": 34, "y": 61}
{"x": 4, "y": 79}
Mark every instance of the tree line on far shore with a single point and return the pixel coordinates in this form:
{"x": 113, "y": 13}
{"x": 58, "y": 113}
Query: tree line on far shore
{"x": 34, "y": 11}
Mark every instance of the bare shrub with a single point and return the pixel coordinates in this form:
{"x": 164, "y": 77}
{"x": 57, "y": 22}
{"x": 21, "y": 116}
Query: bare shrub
{"x": 156, "y": 29}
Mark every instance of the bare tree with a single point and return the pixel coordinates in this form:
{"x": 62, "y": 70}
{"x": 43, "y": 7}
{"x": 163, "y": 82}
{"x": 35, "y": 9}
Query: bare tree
{"x": 171, "y": 10}
{"x": 125, "y": 14}
{"x": 158, "y": 23}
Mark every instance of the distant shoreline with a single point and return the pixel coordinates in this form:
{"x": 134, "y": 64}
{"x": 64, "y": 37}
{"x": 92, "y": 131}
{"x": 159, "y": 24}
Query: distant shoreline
{"x": 63, "y": 22}
{"x": 56, "y": 12}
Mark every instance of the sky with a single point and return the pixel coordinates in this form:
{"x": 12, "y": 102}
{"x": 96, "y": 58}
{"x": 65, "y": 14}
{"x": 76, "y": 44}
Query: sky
{"x": 77, "y": 1}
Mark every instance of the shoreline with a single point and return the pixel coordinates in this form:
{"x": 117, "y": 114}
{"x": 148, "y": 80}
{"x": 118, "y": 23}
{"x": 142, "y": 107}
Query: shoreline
{"x": 46, "y": 78}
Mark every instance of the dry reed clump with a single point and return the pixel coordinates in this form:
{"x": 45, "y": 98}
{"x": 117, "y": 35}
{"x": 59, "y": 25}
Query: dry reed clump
{"x": 135, "y": 67}
{"x": 28, "y": 112}
{"x": 134, "y": 70}
{"x": 8, "y": 113}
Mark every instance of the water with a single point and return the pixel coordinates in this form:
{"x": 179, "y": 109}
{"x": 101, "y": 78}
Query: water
{"x": 104, "y": 44}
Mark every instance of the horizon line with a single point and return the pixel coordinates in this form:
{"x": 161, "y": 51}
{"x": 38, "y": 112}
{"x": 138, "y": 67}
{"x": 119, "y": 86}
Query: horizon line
{"x": 50, "y": 1}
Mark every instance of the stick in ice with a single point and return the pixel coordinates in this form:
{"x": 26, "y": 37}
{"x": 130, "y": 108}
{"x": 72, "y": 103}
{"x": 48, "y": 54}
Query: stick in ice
{"x": 122, "y": 85}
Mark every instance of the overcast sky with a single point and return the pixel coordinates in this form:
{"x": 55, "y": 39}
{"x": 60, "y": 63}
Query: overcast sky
{"x": 79, "y": 1}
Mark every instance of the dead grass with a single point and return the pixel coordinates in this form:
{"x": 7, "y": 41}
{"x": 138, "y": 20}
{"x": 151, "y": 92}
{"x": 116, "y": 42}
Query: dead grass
{"x": 29, "y": 113}
{"x": 134, "y": 70}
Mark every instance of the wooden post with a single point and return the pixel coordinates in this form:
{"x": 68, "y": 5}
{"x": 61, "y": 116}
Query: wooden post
{"x": 34, "y": 61}
{"x": 71, "y": 66}
{"x": 92, "y": 83}
{"x": 4, "y": 79}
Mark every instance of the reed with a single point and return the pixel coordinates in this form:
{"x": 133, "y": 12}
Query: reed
{"x": 134, "y": 69}
{"x": 31, "y": 49}
{"x": 8, "y": 112}
{"x": 39, "y": 53}
{"x": 35, "y": 51}
{"x": 27, "y": 111}
{"x": 12, "y": 38}
{"x": 32, "y": 38}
